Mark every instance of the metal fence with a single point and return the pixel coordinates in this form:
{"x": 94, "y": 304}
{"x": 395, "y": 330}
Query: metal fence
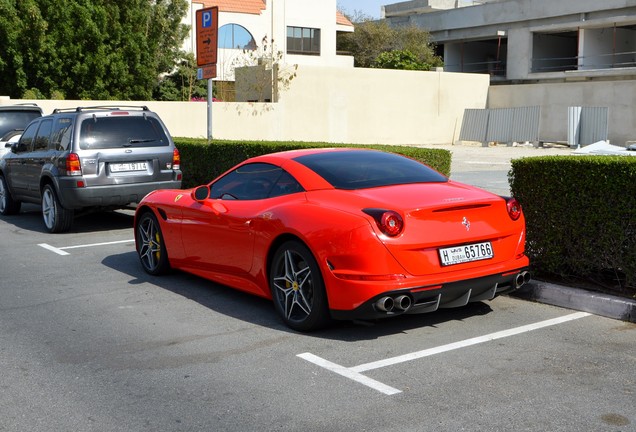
{"x": 505, "y": 125}
{"x": 587, "y": 125}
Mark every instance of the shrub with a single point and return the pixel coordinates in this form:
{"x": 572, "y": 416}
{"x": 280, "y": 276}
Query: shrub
{"x": 581, "y": 217}
{"x": 202, "y": 162}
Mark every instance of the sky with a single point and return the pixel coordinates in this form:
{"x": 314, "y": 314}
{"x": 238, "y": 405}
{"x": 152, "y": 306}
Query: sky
{"x": 367, "y": 7}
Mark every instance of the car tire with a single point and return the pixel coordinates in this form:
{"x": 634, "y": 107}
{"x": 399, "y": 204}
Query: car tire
{"x": 8, "y": 206}
{"x": 56, "y": 218}
{"x": 150, "y": 244}
{"x": 297, "y": 287}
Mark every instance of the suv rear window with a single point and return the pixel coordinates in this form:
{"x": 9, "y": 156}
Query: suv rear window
{"x": 10, "y": 120}
{"x": 121, "y": 131}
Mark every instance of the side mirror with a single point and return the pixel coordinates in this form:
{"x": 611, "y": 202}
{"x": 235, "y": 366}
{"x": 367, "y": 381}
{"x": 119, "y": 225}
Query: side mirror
{"x": 14, "y": 147}
{"x": 201, "y": 193}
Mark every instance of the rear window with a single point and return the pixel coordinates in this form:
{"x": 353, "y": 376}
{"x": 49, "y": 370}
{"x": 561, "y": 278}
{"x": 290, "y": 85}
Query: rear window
{"x": 359, "y": 169}
{"x": 121, "y": 131}
{"x": 10, "y": 120}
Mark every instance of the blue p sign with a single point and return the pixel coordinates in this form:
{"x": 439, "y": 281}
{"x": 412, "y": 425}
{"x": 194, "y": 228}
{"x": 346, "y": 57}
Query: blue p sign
{"x": 206, "y": 19}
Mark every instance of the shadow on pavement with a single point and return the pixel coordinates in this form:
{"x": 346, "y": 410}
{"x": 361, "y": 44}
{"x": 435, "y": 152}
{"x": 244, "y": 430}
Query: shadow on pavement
{"x": 260, "y": 311}
{"x": 30, "y": 219}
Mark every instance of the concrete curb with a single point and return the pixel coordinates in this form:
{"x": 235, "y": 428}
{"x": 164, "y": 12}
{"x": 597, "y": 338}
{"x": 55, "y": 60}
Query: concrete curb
{"x": 578, "y": 299}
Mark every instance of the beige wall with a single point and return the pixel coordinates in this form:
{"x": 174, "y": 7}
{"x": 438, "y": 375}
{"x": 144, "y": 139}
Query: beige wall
{"x": 555, "y": 99}
{"x": 369, "y": 106}
{"x": 338, "y": 105}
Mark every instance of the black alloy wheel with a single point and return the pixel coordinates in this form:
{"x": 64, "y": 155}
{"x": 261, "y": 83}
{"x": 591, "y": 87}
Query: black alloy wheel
{"x": 150, "y": 245}
{"x": 297, "y": 288}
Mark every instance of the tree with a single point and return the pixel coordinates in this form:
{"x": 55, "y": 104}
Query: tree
{"x": 399, "y": 59}
{"x": 371, "y": 39}
{"x": 182, "y": 83}
{"x": 18, "y": 18}
{"x": 89, "y": 49}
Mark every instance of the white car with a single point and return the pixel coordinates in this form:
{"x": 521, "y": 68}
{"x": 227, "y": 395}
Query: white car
{"x": 7, "y": 140}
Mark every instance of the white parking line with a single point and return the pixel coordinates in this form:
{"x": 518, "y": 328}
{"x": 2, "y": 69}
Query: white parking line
{"x": 62, "y": 250}
{"x": 354, "y": 373}
{"x": 349, "y": 373}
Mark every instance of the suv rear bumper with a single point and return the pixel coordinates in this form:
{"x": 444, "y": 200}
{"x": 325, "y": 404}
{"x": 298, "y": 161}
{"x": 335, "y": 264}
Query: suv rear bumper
{"x": 73, "y": 197}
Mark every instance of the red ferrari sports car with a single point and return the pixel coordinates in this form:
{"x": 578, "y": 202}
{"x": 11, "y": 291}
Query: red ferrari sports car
{"x": 338, "y": 233}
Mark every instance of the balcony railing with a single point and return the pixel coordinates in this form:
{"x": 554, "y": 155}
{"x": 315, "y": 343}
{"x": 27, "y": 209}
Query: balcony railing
{"x": 598, "y": 61}
{"x": 493, "y": 67}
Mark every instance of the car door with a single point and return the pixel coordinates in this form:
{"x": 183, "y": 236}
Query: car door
{"x": 218, "y": 237}
{"x": 15, "y": 163}
{"x": 35, "y": 160}
{"x": 218, "y": 234}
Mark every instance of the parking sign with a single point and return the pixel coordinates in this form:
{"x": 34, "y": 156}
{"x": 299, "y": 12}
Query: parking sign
{"x": 207, "y": 35}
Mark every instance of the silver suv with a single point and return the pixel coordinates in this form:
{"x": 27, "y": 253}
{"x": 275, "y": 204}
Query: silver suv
{"x": 86, "y": 158}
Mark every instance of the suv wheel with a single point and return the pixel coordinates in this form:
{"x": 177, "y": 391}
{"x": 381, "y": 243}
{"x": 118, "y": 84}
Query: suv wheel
{"x": 8, "y": 205}
{"x": 56, "y": 218}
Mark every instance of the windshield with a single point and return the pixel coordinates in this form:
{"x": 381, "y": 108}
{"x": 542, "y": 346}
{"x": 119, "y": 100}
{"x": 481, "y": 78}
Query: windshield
{"x": 122, "y": 131}
{"x": 11, "y": 120}
{"x": 360, "y": 169}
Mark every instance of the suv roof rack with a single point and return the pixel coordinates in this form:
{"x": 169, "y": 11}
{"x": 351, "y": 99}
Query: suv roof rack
{"x": 101, "y": 107}
{"x": 21, "y": 105}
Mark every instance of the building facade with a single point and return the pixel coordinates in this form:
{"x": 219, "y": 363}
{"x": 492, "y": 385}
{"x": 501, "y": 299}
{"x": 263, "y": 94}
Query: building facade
{"x": 301, "y": 32}
{"x": 563, "y": 56}
{"x": 529, "y": 40}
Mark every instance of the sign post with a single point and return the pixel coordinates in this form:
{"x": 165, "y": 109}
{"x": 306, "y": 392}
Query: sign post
{"x": 207, "y": 35}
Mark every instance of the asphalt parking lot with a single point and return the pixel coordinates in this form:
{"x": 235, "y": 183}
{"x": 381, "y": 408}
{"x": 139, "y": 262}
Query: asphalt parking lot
{"x": 89, "y": 342}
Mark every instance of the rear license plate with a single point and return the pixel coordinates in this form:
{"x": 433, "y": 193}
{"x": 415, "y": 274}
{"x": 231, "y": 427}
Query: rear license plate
{"x": 466, "y": 253}
{"x": 130, "y": 166}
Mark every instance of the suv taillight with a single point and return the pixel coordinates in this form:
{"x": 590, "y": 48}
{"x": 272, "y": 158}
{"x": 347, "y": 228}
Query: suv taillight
{"x": 73, "y": 166}
{"x": 176, "y": 160}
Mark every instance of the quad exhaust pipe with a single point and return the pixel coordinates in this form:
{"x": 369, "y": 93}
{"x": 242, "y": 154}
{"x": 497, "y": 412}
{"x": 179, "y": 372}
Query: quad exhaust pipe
{"x": 385, "y": 304}
{"x": 401, "y": 303}
{"x": 522, "y": 278}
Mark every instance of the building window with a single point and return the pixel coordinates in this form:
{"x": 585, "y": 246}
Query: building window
{"x": 555, "y": 51}
{"x": 301, "y": 40}
{"x": 235, "y": 36}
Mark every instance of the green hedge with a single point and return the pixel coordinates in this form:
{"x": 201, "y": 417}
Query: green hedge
{"x": 202, "y": 162}
{"x": 581, "y": 217}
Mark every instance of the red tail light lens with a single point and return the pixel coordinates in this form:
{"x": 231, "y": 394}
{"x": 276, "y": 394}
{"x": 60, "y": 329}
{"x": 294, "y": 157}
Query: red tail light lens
{"x": 176, "y": 160}
{"x": 514, "y": 209}
{"x": 73, "y": 166}
{"x": 390, "y": 222}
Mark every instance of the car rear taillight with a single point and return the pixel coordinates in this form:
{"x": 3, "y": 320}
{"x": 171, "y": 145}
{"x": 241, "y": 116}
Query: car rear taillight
{"x": 390, "y": 222}
{"x": 514, "y": 208}
{"x": 73, "y": 166}
{"x": 176, "y": 160}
